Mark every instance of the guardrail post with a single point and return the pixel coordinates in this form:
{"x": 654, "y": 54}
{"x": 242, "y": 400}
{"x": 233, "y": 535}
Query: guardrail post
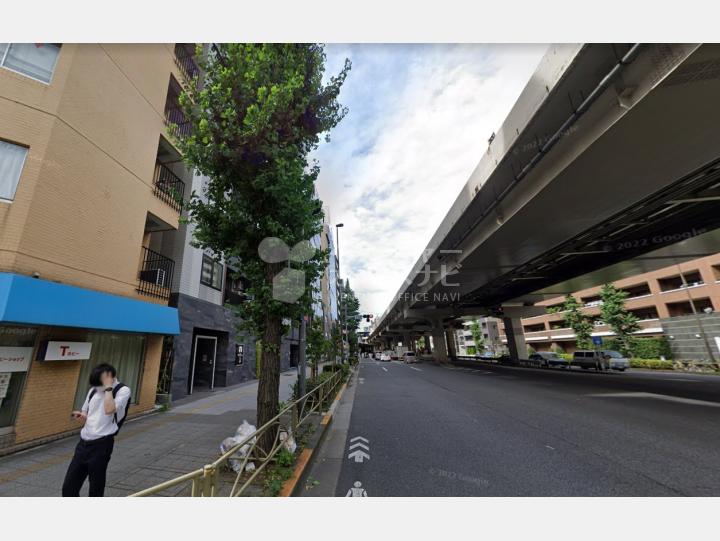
{"x": 294, "y": 421}
{"x": 208, "y": 480}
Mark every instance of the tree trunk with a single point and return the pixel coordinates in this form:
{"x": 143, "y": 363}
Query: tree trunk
{"x": 269, "y": 383}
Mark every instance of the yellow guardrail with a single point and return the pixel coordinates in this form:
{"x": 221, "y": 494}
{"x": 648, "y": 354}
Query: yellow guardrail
{"x": 206, "y": 481}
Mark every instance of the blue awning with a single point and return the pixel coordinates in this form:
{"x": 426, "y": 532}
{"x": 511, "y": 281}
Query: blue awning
{"x": 31, "y": 301}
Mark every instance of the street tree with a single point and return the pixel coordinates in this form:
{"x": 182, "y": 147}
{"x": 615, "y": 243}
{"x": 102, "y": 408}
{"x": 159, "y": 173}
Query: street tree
{"x": 255, "y": 115}
{"x": 318, "y": 345}
{"x": 578, "y": 321}
{"x": 477, "y": 336}
{"x": 350, "y": 316}
{"x": 613, "y": 312}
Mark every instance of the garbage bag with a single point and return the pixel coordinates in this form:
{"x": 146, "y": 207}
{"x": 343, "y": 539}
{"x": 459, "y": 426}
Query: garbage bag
{"x": 243, "y": 431}
{"x": 287, "y": 440}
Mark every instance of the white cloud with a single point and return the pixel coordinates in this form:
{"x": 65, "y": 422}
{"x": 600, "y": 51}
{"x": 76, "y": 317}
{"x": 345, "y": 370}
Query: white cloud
{"x": 420, "y": 118}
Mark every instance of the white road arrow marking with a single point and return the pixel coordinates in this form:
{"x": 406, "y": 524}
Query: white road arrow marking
{"x": 359, "y": 444}
{"x": 359, "y": 455}
{"x": 362, "y": 381}
{"x": 359, "y": 438}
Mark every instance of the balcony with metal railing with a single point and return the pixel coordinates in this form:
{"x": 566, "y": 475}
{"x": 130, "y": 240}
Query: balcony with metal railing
{"x": 175, "y": 119}
{"x": 186, "y": 60}
{"x": 168, "y": 187}
{"x": 155, "y": 275}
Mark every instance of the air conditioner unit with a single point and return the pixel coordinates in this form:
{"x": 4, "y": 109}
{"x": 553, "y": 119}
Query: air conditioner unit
{"x": 154, "y": 276}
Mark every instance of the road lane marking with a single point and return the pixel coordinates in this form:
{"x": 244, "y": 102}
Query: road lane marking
{"x": 356, "y": 491}
{"x": 384, "y": 368}
{"x": 418, "y": 369}
{"x": 666, "y": 397}
{"x": 362, "y": 381}
{"x": 360, "y": 445}
{"x": 549, "y": 447}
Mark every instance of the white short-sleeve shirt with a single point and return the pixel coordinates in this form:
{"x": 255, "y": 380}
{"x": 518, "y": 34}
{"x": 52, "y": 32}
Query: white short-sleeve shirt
{"x": 98, "y": 423}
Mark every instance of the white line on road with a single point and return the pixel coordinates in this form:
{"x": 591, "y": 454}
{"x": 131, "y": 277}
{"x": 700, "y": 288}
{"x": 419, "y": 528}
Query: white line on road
{"x": 553, "y": 448}
{"x": 384, "y": 368}
{"x": 669, "y": 398}
{"x": 418, "y": 369}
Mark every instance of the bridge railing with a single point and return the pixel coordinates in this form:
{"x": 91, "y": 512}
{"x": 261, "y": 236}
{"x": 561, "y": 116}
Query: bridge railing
{"x": 209, "y": 480}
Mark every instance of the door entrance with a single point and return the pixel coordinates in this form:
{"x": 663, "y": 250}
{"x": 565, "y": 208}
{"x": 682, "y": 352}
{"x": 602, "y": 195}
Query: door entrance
{"x": 203, "y": 365}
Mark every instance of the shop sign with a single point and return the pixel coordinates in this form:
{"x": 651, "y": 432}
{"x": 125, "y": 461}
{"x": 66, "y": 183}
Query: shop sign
{"x": 65, "y": 351}
{"x": 15, "y": 359}
{"x": 4, "y": 384}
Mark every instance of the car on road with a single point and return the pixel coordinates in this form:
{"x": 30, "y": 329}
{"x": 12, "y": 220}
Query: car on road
{"x": 616, "y": 359}
{"x": 547, "y": 359}
{"x": 409, "y": 357}
{"x": 385, "y": 356}
{"x": 600, "y": 360}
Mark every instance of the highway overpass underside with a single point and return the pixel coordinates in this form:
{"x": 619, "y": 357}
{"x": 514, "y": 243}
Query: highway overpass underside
{"x": 632, "y": 185}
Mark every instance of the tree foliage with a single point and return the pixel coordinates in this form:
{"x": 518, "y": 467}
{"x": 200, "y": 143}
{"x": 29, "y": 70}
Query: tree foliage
{"x": 350, "y": 316}
{"x": 256, "y": 113}
{"x": 477, "y": 336}
{"x": 621, "y": 321}
{"x": 579, "y": 322}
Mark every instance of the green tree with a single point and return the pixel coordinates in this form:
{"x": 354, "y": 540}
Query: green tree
{"x": 477, "y": 336}
{"x": 579, "y": 322}
{"x": 621, "y": 321}
{"x": 257, "y": 113}
{"x": 317, "y": 345}
{"x": 350, "y": 316}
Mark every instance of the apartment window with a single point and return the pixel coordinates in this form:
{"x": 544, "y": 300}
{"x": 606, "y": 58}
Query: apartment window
{"x": 36, "y": 60}
{"x": 212, "y": 273}
{"x": 12, "y": 159}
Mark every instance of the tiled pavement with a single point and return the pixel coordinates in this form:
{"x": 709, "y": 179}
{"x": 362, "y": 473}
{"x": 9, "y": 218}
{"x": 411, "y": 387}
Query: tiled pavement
{"x": 149, "y": 450}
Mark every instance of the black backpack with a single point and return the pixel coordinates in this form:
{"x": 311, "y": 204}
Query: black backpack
{"x": 114, "y": 393}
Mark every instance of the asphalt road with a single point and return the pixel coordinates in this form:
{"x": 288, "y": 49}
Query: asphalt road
{"x": 504, "y": 431}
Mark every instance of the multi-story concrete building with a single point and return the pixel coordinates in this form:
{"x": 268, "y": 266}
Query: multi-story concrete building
{"x": 88, "y": 181}
{"x": 489, "y": 331}
{"x": 329, "y": 280}
{"x": 679, "y": 302}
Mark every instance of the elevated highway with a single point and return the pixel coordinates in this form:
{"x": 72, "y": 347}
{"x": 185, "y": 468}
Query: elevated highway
{"x": 607, "y": 166}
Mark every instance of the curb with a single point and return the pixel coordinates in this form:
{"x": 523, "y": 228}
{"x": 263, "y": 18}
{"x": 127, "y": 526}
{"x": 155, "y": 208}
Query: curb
{"x": 307, "y": 453}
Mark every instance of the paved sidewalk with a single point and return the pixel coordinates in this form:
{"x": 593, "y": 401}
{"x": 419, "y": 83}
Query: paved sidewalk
{"x": 148, "y": 450}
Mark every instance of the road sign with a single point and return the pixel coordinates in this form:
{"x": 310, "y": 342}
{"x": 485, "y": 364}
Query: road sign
{"x": 597, "y": 340}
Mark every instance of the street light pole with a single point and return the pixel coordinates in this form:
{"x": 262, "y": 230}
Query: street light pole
{"x": 338, "y": 284}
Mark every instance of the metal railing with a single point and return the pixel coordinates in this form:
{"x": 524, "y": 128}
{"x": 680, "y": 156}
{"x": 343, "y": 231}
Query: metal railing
{"x": 185, "y": 60}
{"x": 156, "y": 274}
{"x": 215, "y": 479}
{"x": 175, "y": 119}
{"x": 168, "y": 187}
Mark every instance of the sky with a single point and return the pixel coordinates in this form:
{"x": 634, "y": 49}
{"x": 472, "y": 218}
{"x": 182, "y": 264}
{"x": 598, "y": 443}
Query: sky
{"x": 419, "y": 121}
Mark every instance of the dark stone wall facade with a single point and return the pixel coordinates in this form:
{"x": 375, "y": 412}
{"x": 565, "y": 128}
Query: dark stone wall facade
{"x": 682, "y": 333}
{"x": 205, "y": 318}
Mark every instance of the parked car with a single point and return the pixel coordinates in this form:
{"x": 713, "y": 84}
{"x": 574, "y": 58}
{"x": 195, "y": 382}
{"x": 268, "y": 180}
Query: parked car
{"x": 547, "y": 359}
{"x": 409, "y": 357}
{"x": 385, "y": 356}
{"x": 616, "y": 359}
{"x": 600, "y": 360}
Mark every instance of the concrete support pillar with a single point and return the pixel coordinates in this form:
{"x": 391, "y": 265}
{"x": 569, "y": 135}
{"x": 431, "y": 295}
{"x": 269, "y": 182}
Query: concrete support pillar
{"x": 515, "y": 338}
{"x": 450, "y": 340}
{"x": 439, "y": 346}
{"x": 428, "y": 349}
{"x": 407, "y": 341}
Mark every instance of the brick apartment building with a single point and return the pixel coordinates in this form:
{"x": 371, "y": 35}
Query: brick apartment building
{"x": 86, "y": 176}
{"x": 680, "y": 302}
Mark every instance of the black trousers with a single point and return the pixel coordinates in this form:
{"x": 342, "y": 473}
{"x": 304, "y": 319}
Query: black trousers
{"x": 90, "y": 460}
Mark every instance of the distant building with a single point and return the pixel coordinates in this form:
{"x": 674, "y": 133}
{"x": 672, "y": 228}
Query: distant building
{"x": 679, "y": 302}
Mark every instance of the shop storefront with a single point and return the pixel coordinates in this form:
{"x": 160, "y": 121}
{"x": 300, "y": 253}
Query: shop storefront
{"x": 52, "y": 335}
